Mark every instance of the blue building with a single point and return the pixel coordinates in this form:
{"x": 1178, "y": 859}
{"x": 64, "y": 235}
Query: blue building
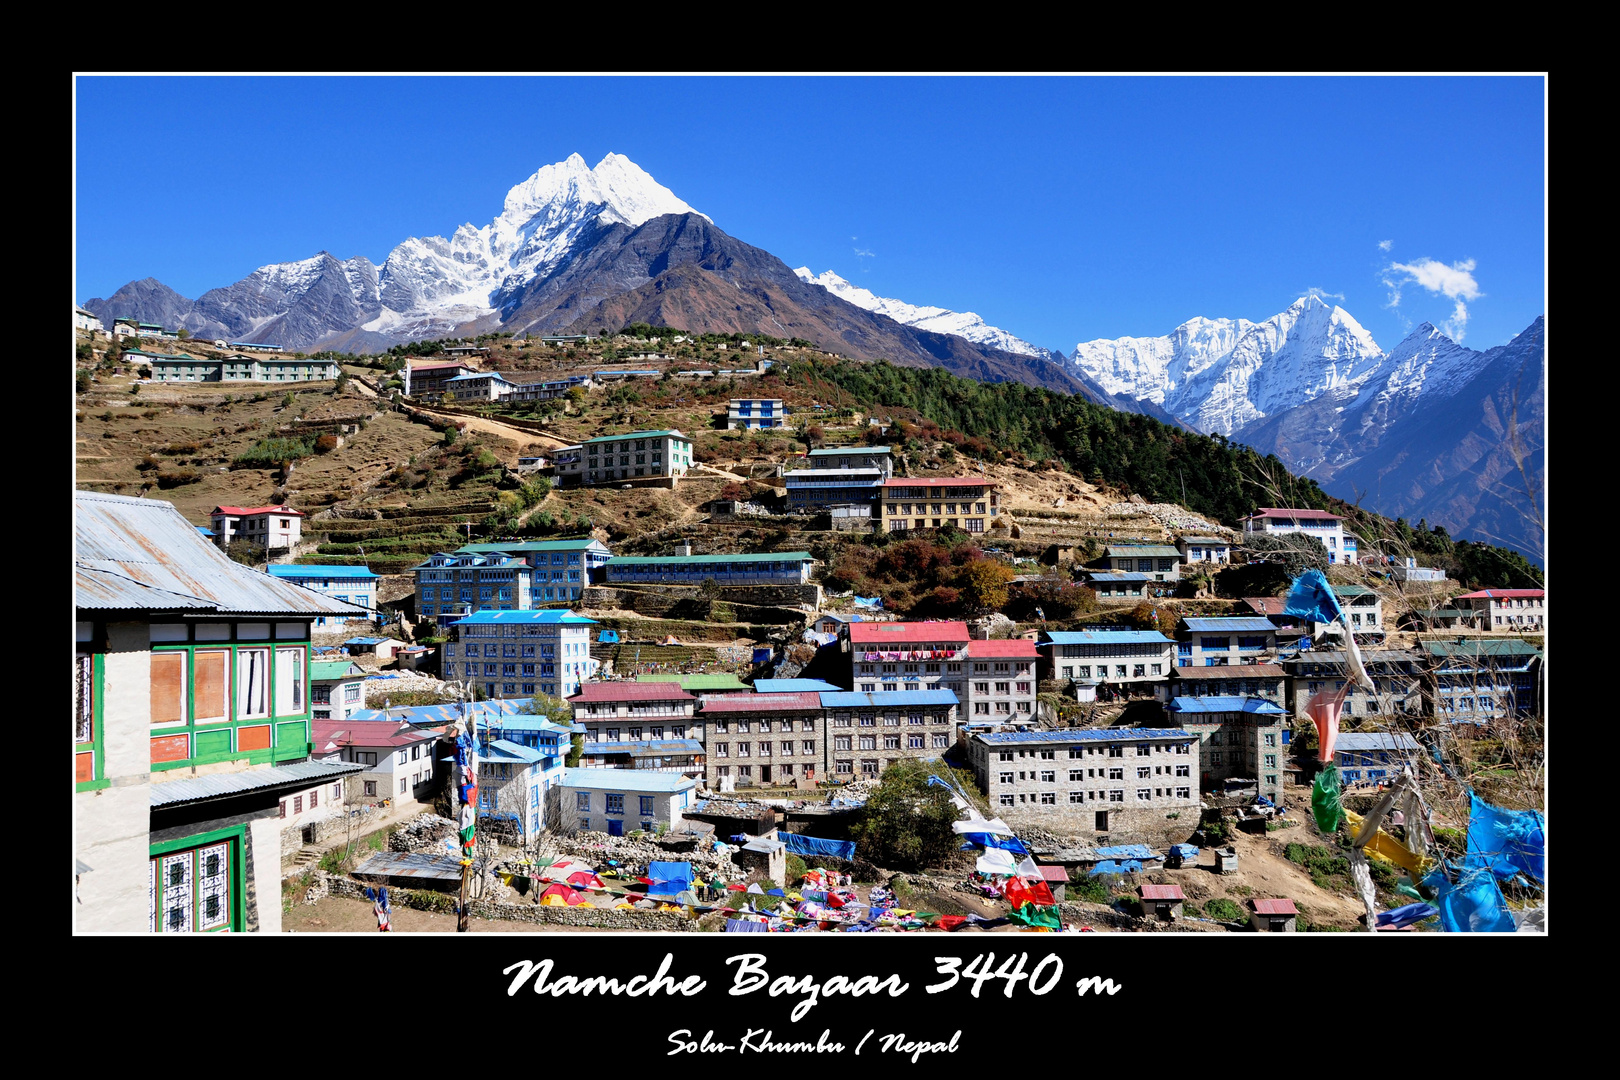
{"x": 351, "y": 584}
{"x": 1369, "y": 757}
{"x": 512, "y": 653}
{"x": 766, "y": 568}
{"x": 1215, "y": 642}
{"x": 559, "y": 569}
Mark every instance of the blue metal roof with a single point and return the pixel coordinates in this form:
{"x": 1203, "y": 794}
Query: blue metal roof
{"x": 1085, "y": 735}
{"x": 1375, "y": 740}
{"x": 631, "y": 780}
{"x": 1121, "y": 577}
{"x": 297, "y": 570}
{"x": 847, "y": 699}
{"x": 524, "y": 722}
{"x": 791, "y": 686}
{"x": 1236, "y": 623}
{"x": 438, "y": 715}
{"x": 547, "y": 616}
{"x": 1224, "y": 705}
{"x": 505, "y": 750}
{"x": 645, "y": 747}
{"x": 1103, "y": 637}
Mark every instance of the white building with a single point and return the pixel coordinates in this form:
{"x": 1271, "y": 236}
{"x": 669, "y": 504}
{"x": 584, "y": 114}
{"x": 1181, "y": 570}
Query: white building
{"x": 513, "y": 653}
{"x": 619, "y": 801}
{"x": 1326, "y": 527}
{"x": 636, "y": 455}
{"x": 274, "y": 528}
{"x": 86, "y": 320}
{"x": 755, "y": 413}
{"x": 1522, "y": 610}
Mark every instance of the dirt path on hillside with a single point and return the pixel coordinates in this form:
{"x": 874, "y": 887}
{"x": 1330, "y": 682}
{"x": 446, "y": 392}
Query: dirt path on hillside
{"x": 720, "y": 472}
{"x": 499, "y": 430}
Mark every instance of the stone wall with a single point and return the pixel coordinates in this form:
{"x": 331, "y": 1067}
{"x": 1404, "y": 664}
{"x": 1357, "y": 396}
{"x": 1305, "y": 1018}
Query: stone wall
{"x": 602, "y": 918}
{"x": 756, "y": 603}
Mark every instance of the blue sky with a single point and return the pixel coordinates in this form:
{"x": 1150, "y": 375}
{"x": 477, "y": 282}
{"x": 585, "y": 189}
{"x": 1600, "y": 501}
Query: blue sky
{"x": 1061, "y": 209}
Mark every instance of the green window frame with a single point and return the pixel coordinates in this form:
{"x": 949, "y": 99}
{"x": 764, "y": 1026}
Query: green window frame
{"x": 173, "y": 879}
{"x": 215, "y": 740}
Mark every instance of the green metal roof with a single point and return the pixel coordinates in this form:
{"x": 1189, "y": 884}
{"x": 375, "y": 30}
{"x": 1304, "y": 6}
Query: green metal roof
{"x": 682, "y": 560}
{"x": 1117, "y": 551}
{"x": 636, "y": 435}
{"x": 334, "y": 669}
{"x": 1353, "y": 590}
{"x": 531, "y": 545}
{"x": 837, "y": 451}
{"x": 1485, "y": 647}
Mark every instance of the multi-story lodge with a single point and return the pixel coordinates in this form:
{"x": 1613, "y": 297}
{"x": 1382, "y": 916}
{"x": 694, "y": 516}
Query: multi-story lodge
{"x": 869, "y": 732}
{"x": 1097, "y": 780}
{"x": 755, "y": 413}
{"x": 521, "y": 653}
{"x": 1266, "y": 681}
{"x": 1242, "y": 738}
{"x": 1001, "y": 680}
{"x": 560, "y": 568}
{"x": 1475, "y": 680}
{"x": 969, "y": 503}
{"x": 1515, "y": 610}
{"x": 636, "y": 455}
{"x": 1218, "y": 642}
{"x": 1135, "y": 661}
{"x": 1158, "y": 562}
{"x": 355, "y": 585}
{"x": 234, "y": 368}
{"x": 1396, "y": 675}
{"x": 1204, "y": 549}
{"x": 191, "y": 722}
{"x": 612, "y": 712}
{"x": 274, "y": 528}
{"x": 886, "y": 657}
{"x": 451, "y": 586}
{"x": 768, "y": 738}
{"x": 1326, "y": 527}
{"x": 426, "y": 379}
{"x": 763, "y": 568}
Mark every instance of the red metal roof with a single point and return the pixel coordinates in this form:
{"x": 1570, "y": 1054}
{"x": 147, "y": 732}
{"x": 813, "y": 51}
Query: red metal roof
{"x": 631, "y": 691}
{"x": 752, "y": 703}
{"x": 1271, "y": 511}
{"x": 1274, "y": 907}
{"x": 365, "y": 733}
{"x": 1057, "y": 875}
{"x": 1162, "y": 892}
{"x": 1502, "y": 594}
{"x": 1022, "y": 648}
{"x": 878, "y": 633}
{"x": 242, "y": 510}
{"x": 1266, "y": 605}
{"x": 940, "y": 481}
{"x": 441, "y": 367}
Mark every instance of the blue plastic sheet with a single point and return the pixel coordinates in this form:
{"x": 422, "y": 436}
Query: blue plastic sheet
{"x": 1472, "y": 906}
{"x": 669, "y": 878}
{"x": 1123, "y": 866}
{"x": 1405, "y": 916}
{"x": 1508, "y": 841}
{"x": 994, "y": 840}
{"x": 1312, "y": 598}
{"x": 814, "y": 845}
{"x": 746, "y": 926}
{"x": 1128, "y": 851}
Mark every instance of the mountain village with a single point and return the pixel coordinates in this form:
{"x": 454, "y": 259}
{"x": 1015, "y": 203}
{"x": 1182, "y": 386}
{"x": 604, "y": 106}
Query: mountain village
{"x": 659, "y": 630}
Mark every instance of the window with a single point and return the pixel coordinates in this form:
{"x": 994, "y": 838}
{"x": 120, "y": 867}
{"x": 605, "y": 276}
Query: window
{"x": 807, "y": 747}
{"x": 1143, "y": 773}
{"x": 1116, "y": 795}
{"x": 722, "y": 749}
{"x": 1049, "y": 776}
{"x": 1144, "y": 794}
{"x": 1183, "y": 793}
{"x": 615, "y": 804}
{"x": 1116, "y": 774}
{"x": 402, "y": 783}
{"x": 400, "y": 758}
{"x": 1183, "y": 770}
{"x": 646, "y": 805}
{"x": 191, "y": 890}
{"x": 1007, "y": 800}
{"x": 371, "y": 787}
{"x": 841, "y": 742}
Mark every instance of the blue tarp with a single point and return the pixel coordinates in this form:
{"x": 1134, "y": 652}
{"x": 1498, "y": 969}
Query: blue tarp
{"x": 746, "y": 926}
{"x": 1128, "y": 851}
{"x": 762, "y": 656}
{"x": 669, "y": 878}
{"x": 869, "y": 602}
{"x": 813, "y": 845}
{"x": 992, "y": 840}
{"x": 1405, "y": 916}
{"x": 1312, "y": 598}
{"x": 1508, "y": 841}
{"x": 1109, "y": 866}
{"x": 1186, "y": 851}
{"x": 1472, "y": 906}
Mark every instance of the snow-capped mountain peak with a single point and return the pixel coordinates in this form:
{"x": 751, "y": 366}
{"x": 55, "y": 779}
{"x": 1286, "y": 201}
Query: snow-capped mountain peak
{"x": 963, "y": 324}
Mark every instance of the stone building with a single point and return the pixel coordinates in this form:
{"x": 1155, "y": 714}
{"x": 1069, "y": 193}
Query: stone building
{"x": 869, "y": 732}
{"x": 1218, "y": 642}
{"x": 1129, "y": 661}
{"x": 1094, "y": 780}
{"x": 1397, "y": 675}
{"x": 763, "y": 738}
{"x": 1001, "y": 680}
{"x": 907, "y": 656}
{"x": 1243, "y": 740}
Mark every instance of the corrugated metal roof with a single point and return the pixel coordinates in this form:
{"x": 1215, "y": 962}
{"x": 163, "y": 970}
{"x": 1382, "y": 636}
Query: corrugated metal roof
{"x": 333, "y": 669}
{"x": 1104, "y": 637}
{"x": 331, "y": 734}
{"x": 748, "y": 703}
{"x": 850, "y": 451}
{"x": 1085, "y": 735}
{"x": 618, "y": 561}
{"x": 1487, "y": 647}
{"x": 636, "y": 434}
{"x": 532, "y": 545}
{"x": 1012, "y": 647}
{"x": 1375, "y": 740}
{"x": 221, "y": 785}
{"x": 630, "y": 691}
{"x": 1129, "y": 551}
{"x": 698, "y": 681}
{"x": 411, "y": 864}
{"x": 1274, "y": 907}
{"x": 792, "y": 686}
{"x": 311, "y": 570}
{"x": 882, "y": 633}
{"x": 629, "y": 780}
{"x": 1233, "y": 671}
{"x": 1224, "y": 705}
{"x": 143, "y": 555}
{"x": 505, "y": 750}
{"x": 845, "y": 699}
{"x": 1236, "y": 623}
{"x": 544, "y": 617}
{"x": 1111, "y": 578}
{"x": 1162, "y": 892}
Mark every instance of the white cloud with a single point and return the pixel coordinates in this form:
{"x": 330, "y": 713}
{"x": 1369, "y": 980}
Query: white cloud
{"x": 1323, "y": 294}
{"x": 1385, "y": 245}
{"x": 1456, "y": 282}
{"x": 865, "y": 254}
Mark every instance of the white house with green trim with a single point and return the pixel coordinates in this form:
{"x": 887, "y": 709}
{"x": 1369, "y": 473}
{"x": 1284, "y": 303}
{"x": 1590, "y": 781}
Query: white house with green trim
{"x": 337, "y": 689}
{"x": 192, "y": 717}
{"x": 237, "y": 367}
